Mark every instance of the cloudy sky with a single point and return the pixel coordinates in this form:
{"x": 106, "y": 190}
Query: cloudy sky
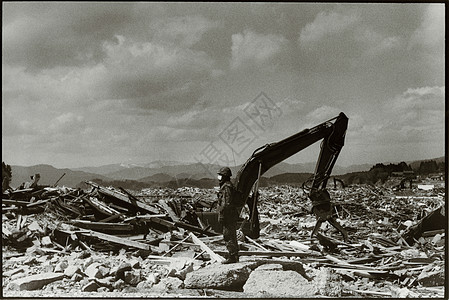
{"x": 92, "y": 84}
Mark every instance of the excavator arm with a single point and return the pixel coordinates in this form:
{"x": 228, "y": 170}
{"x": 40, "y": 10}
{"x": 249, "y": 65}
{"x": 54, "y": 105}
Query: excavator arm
{"x": 332, "y": 132}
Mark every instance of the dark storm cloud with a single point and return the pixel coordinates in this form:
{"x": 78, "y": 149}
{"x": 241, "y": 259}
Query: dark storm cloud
{"x": 46, "y": 35}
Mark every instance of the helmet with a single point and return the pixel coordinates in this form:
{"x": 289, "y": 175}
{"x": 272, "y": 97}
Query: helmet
{"x": 225, "y": 171}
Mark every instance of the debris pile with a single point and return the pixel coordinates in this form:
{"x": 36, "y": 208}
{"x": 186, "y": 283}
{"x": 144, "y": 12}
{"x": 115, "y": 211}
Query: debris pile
{"x": 58, "y": 240}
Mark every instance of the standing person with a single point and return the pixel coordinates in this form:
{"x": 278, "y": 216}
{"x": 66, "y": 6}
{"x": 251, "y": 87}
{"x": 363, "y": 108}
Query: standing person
{"x": 228, "y": 214}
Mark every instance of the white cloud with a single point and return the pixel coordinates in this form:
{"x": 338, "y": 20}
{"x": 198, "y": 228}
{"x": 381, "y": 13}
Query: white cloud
{"x": 321, "y": 114}
{"x": 184, "y": 31}
{"x": 417, "y": 115}
{"x": 376, "y": 44}
{"x": 416, "y": 99}
{"x": 251, "y": 47}
{"x": 154, "y": 76}
{"x": 325, "y": 25}
{"x": 432, "y": 29}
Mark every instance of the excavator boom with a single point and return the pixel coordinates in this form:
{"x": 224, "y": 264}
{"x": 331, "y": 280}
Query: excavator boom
{"x": 332, "y": 131}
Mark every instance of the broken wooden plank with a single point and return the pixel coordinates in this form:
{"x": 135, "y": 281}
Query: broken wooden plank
{"x": 256, "y": 243}
{"x": 145, "y": 217}
{"x": 176, "y": 246}
{"x": 15, "y": 202}
{"x": 103, "y": 226}
{"x": 174, "y": 225}
{"x": 432, "y": 232}
{"x": 267, "y": 253}
{"x": 130, "y": 196}
{"x": 122, "y": 197}
{"x": 214, "y": 256}
{"x": 387, "y": 294}
{"x": 304, "y": 248}
{"x": 112, "y": 217}
{"x": 37, "y": 203}
{"x": 364, "y": 260}
{"x": 169, "y": 210}
{"x": 101, "y": 207}
{"x": 117, "y": 240}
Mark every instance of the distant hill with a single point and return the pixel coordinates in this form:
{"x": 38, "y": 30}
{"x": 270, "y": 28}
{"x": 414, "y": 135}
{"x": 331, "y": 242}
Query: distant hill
{"x": 159, "y": 177}
{"x": 415, "y": 164}
{"x": 170, "y": 174}
{"x": 113, "y": 168}
{"x": 50, "y": 174}
{"x": 196, "y": 170}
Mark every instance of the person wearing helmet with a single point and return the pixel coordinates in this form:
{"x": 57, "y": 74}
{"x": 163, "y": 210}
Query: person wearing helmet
{"x": 228, "y": 214}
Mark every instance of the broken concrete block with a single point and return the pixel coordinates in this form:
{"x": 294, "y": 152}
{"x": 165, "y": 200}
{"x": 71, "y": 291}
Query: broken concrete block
{"x": 119, "y": 284}
{"x": 61, "y": 266}
{"x": 181, "y": 274}
{"x": 135, "y": 263}
{"x": 132, "y": 278}
{"x": 34, "y": 226}
{"x": 88, "y": 262}
{"x": 76, "y": 277}
{"x": 231, "y": 276}
{"x": 279, "y": 284}
{"x": 153, "y": 278}
{"x": 46, "y": 241}
{"x": 104, "y": 271}
{"x": 119, "y": 271}
{"x": 103, "y": 289}
{"x": 92, "y": 286}
{"x": 34, "y": 282}
{"x": 168, "y": 283}
{"x": 93, "y": 271}
{"x": 106, "y": 282}
{"x": 71, "y": 270}
{"x": 144, "y": 285}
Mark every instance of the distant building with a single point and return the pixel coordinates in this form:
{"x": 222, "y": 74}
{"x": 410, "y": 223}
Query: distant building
{"x": 436, "y": 176}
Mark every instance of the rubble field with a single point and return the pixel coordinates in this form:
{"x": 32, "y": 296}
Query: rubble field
{"x": 108, "y": 242}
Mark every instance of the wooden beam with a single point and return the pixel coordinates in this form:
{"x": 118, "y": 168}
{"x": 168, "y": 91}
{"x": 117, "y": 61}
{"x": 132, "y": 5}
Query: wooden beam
{"x": 175, "y": 225}
{"x": 214, "y": 256}
{"x": 117, "y": 240}
{"x": 256, "y": 243}
{"x": 169, "y": 210}
{"x": 122, "y": 197}
{"x": 15, "y": 202}
{"x": 144, "y": 217}
{"x": 103, "y": 225}
{"x": 267, "y": 253}
{"x": 100, "y": 206}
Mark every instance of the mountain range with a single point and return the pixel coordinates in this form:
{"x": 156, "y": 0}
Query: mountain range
{"x": 163, "y": 172}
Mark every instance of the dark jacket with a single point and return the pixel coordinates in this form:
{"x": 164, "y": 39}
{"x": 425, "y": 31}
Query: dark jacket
{"x": 227, "y": 212}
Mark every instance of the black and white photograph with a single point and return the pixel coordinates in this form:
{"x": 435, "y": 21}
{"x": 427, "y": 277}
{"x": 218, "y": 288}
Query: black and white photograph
{"x": 224, "y": 150}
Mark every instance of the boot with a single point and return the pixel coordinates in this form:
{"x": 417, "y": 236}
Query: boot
{"x": 231, "y": 259}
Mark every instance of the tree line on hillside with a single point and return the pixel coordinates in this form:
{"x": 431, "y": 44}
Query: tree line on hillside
{"x": 381, "y": 172}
